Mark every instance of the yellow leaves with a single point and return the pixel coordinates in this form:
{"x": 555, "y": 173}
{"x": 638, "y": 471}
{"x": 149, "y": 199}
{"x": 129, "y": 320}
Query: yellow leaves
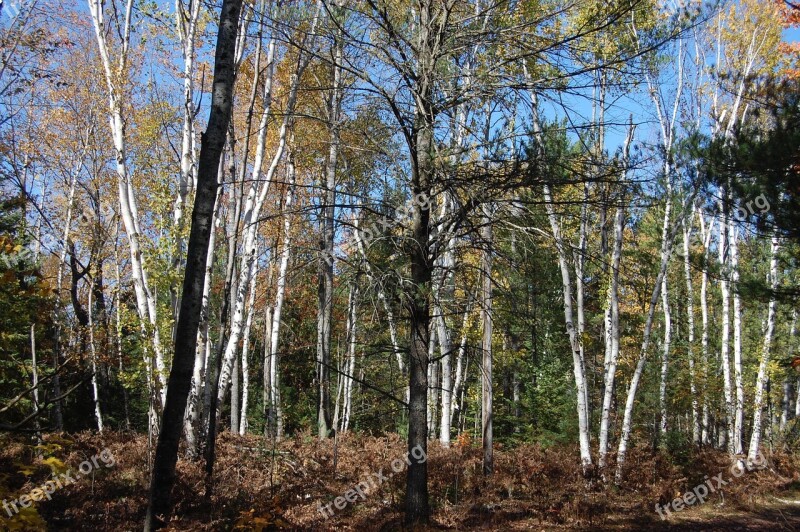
{"x": 55, "y": 465}
{"x": 267, "y": 519}
{"x": 26, "y": 519}
{"x": 25, "y": 469}
{"x": 751, "y": 33}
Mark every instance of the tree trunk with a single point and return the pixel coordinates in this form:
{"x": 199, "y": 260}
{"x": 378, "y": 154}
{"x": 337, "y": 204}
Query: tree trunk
{"x": 145, "y": 301}
{"x": 350, "y": 366}
{"x": 724, "y": 284}
{"x": 193, "y": 408}
{"x": 35, "y": 386}
{"x": 234, "y": 421}
{"x": 266, "y": 394}
{"x": 793, "y": 387}
{"x": 326, "y": 257}
{"x": 275, "y": 402}
{"x": 577, "y": 362}
{"x": 758, "y": 399}
{"x": 579, "y": 259}
{"x": 687, "y": 270}
{"x": 487, "y": 391}
{"x": 245, "y": 366}
{"x": 706, "y": 233}
{"x": 613, "y": 310}
{"x": 662, "y": 395}
{"x": 738, "y": 423}
{"x": 433, "y": 387}
{"x": 458, "y": 381}
{"x": 417, "y": 505}
{"x": 95, "y": 389}
{"x": 213, "y": 141}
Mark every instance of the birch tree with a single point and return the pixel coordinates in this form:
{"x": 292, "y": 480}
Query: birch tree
{"x": 610, "y": 366}
{"x": 116, "y": 74}
{"x": 769, "y": 329}
{"x": 327, "y": 234}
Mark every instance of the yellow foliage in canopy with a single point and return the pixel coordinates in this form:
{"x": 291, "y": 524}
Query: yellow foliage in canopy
{"x": 751, "y": 33}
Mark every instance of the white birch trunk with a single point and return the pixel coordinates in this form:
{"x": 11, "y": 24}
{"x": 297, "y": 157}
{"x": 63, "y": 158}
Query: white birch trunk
{"x": 577, "y": 361}
{"x": 458, "y": 381}
{"x": 787, "y": 406}
{"x": 186, "y": 22}
{"x": 145, "y": 301}
{"x": 687, "y": 270}
{"x": 280, "y": 289}
{"x": 797, "y": 399}
{"x": 245, "y": 353}
{"x": 35, "y": 381}
{"x": 662, "y": 394}
{"x": 612, "y": 313}
{"x": 441, "y": 294}
{"x": 758, "y": 399}
{"x": 738, "y": 423}
{"x": 98, "y": 416}
{"x": 706, "y": 234}
{"x": 725, "y": 333}
{"x": 351, "y": 356}
{"x": 234, "y": 421}
{"x": 487, "y": 316}
{"x": 579, "y": 258}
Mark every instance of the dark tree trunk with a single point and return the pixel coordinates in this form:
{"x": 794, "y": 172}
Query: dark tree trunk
{"x": 213, "y": 378}
{"x": 417, "y": 507}
{"x": 213, "y": 141}
{"x": 80, "y": 312}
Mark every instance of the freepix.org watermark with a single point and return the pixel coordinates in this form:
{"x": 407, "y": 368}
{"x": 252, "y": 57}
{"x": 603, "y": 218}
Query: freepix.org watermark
{"x": 701, "y": 492}
{"x": 367, "y": 233}
{"x": 47, "y": 489}
{"x": 372, "y": 482}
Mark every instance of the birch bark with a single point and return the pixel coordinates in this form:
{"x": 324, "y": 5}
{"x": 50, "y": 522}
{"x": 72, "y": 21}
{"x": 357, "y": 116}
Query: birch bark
{"x": 613, "y": 306}
{"x": 145, "y": 301}
{"x": 758, "y": 399}
{"x": 687, "y": 270}
{"x": 257, "y": 194}
{"x": 276, "y": 413}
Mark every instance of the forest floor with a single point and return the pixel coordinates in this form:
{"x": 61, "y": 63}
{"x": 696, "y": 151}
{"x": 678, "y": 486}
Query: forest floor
{"x": 533, "y": 488}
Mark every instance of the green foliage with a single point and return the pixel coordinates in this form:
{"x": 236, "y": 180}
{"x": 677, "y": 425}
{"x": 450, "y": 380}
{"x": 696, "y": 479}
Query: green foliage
{"x": 25, "y": 300}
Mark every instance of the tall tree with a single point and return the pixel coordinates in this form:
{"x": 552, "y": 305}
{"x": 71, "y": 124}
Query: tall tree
{"x": 212, "y": 144}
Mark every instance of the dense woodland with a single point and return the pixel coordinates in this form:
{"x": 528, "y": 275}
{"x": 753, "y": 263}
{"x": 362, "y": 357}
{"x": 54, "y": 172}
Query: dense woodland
{"x": 466, "y": 224}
